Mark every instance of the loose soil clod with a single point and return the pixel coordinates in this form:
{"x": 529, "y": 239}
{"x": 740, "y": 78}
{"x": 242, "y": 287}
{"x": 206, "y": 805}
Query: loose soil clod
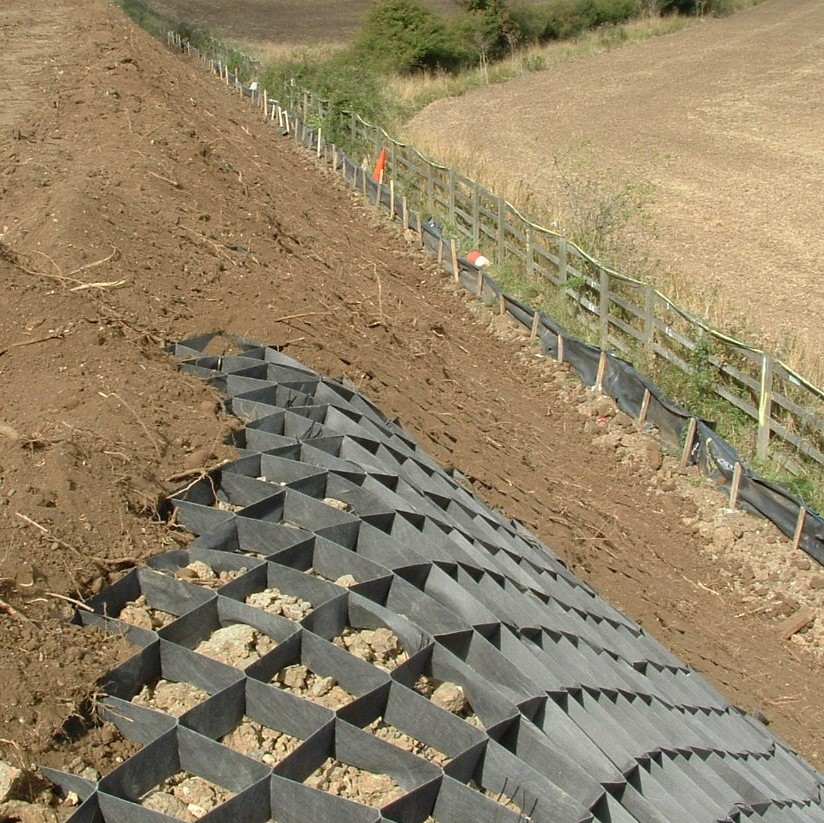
{"x": 185, "y": 796}
{"x": 204, "y": 575}
{"x": 302, "y": 681}
{"x": 236, "y": 645}
{"x": 256, "y": 740}
{"x": 447, "y": 696}
{"x": 277, "y": 602}
{"x": 344, "y": 780}
{"x": 174, "y": 698}
{"x": 381, "y": 647}
{"x": 391, "y": 734}
{"x": 139, "y": 613}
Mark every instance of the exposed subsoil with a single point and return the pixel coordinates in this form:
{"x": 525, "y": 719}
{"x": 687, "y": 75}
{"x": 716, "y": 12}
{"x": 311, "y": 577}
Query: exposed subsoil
{"x": 141, "y": 202}
{"x": 723, "y": 119}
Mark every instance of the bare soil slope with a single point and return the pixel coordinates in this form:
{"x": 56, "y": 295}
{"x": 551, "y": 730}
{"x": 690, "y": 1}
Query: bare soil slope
{"x": 724, "y": 119}
{"x": 141, "y": 202}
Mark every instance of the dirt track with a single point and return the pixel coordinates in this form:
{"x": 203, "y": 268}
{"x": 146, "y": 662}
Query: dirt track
{"x": 724, "y": 119}
{"x": 123, "y": 162}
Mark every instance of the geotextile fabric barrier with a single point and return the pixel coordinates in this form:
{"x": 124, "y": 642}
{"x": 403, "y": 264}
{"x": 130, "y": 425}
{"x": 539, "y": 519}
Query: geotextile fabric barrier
{"x": 573, "y": 713}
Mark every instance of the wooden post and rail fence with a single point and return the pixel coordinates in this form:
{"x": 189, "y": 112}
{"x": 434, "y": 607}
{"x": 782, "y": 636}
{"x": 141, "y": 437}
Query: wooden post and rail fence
{"x": 621, "y": 314}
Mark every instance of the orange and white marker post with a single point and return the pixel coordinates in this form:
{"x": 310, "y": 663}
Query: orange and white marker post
{"x": 377, "y": 174}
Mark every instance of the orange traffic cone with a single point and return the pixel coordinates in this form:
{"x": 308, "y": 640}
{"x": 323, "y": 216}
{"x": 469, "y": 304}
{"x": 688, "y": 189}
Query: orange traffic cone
{"x": 377, "y": 175}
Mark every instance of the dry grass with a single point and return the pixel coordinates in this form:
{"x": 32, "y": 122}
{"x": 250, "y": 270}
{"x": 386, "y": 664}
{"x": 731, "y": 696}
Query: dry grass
{"x": 267, "y": 52}
{"x": 417, "y": 91}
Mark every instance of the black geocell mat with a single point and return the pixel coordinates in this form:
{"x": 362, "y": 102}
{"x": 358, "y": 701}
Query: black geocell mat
{"x": 580, "y": 715}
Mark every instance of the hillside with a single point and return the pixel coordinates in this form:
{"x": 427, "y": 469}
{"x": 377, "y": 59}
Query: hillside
{"x": 143, "y": 203}
{"x": 722, "y": 120}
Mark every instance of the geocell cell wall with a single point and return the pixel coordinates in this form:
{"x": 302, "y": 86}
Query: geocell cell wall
{"x": 583, "y": 716}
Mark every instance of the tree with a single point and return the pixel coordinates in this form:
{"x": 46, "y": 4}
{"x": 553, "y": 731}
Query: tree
{"x": 491, "y": 28}
{"x": 404, "y": 36}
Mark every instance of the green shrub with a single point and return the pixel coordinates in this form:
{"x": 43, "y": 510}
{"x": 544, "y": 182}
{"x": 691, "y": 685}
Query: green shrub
{"x": 345, "y": 82}
{"x": 597, "y": 13}
{"x": 404, "y": 36}
{"x": 562, "y": 19}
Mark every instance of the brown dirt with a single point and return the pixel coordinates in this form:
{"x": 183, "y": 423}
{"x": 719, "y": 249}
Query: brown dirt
{"x": 96, "y": 419}
{"x": 723, "y": 119}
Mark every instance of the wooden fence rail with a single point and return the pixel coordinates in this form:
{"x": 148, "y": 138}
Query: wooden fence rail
{"x": 621, "y": 313}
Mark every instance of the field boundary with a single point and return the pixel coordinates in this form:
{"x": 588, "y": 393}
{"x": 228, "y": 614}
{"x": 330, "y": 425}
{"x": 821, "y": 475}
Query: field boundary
{"x": 300, "y": 116}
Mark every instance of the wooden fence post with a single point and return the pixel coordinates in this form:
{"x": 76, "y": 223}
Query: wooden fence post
{"x": 501, "y": 230}
{"x": 452, "y": 185}
{"x": 456, "y": 271}
{"x": 476, "y": 213}
{"x": 602, "y": 368}
{"x": 603, "y": 308}
{"x": 799, "y": 526}
{"x": 765, "y": 406}
{"x": 649, "y": 318}
{"x": 562, "y": 260}
{"x": 530, "y": 252}
{"x": 735, "y": 486}
{"x": 689, "y": 442}
{"x": 642, "y": 414}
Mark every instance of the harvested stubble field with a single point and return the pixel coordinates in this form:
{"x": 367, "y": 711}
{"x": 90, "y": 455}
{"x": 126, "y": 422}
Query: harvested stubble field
{"x": 141, "y": 202}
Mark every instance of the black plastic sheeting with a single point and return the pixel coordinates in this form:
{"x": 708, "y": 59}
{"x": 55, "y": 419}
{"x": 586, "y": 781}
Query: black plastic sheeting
{"x": 715, "y": 456}
{"x": 583, "y": 716}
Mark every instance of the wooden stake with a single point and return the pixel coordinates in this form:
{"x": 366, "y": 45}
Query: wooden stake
{"x": 334, "y": 157}
{"x": 440, "y": 252}
{"x": 479, "y": 285}
{"x": 536, "y": 322}
{"x": 320, "y": 140}
{"x": 799, "y": 526}
{"x": 378, "y": 193}
{"x": 265, "y": 104}
{"x": 692, "y": 427}
{"x": 735, "y": 486}
{"x": 405, "y": 214}
{"x": 560, "y": 348}
{"x": 456, "y": 272}
{"x": 501, "y": 304}
{"x": 602, "y": 367}
{"x": 392, "y": 199}
{"x": 642, "y": 415}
